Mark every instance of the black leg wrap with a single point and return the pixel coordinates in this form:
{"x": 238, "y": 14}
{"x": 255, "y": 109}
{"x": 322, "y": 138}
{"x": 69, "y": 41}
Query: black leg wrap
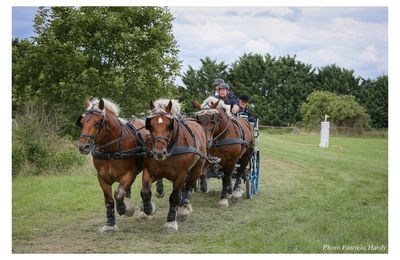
{"x": 224, "y": 192}
{"x": 238, "y": 183}
{"x": 121, "y": 208}
{"x": 128, "y": 193}
{"x": 203, "y": 183}
{"x": 110, "y": 216}
{"x": 186, "y": 197}
{"x": 171, "y": 214}
{"x": 159, "y": 186}
{"x": 147, "y": 207}
{"x": 229, "y": 189}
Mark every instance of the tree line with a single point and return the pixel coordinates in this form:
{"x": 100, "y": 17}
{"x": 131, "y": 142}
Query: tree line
{"x": 129, "y": 54}
{"x": 279, "y": 87}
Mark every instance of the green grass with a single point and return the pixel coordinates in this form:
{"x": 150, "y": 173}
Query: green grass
{"x": 308, "y": 198}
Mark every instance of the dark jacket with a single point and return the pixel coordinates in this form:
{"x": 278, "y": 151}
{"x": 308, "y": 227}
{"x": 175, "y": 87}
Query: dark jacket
{"x": 230, "y": 99}
{"x": 250, "y": 116}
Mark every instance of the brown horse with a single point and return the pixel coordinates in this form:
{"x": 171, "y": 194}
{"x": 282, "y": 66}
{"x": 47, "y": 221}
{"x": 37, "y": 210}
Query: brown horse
{"x": 231, "y": 139}
{"x": 178, "y": 152}
{"x": 117, "y": 149}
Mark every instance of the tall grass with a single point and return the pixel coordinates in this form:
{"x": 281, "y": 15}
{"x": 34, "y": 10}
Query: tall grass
{"x": 37, "y": 145}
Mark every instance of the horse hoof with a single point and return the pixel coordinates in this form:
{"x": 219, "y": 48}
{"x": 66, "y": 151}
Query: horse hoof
{"x": 171, "y": 226}
{"x": 223, "y": 203}
{"x": 189, "y": 207}
{"x": 130, "y": 212}
{"x": 130, "y": 207}
{"x": 184, "y": 212}
{"x": 160, "y": 195}
{"x": 237, "y": 194}
{"x": 143, "y": 215}
{"x": 109, "y": 229}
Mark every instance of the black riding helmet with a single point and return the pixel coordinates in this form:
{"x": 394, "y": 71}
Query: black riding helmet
{"x": 244, "y": 98}
{"x": 218, "y": 82}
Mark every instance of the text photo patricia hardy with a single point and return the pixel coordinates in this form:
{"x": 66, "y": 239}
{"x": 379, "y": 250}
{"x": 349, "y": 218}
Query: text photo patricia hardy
{"x": 371, "y": 247}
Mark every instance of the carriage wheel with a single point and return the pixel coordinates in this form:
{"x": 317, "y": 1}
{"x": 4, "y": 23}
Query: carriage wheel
{"x": 256, "y": 171}
{"x": 249, "y": 181}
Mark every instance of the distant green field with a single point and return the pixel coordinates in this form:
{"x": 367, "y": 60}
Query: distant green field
{"x": 310, "y": 200}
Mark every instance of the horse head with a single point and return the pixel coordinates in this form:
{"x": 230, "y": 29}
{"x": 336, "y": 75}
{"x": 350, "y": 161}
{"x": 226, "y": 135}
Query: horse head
{"x": 211, "y": 119}
{"x": 93, "y": 123}
{"x": 160, "y": 124}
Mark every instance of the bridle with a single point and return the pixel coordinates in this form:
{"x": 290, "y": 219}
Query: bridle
{"x": 100, "y": 125}
{"x": 214, "y": 121}
{"x": 166, "y": 141}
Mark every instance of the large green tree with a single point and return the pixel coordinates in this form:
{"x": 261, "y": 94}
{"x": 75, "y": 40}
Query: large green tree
{"x": 128, "y": 54}
{"x": 277, "y": 86}
{"x": 337, "y": 80}
{"x": 198, "y": 82}
{"x": 373, "y": 95}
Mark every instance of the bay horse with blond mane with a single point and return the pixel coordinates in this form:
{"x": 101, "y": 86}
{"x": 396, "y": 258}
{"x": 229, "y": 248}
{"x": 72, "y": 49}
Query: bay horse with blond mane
{"x": 177, "y": 153}
{"x": 117, "y": 150}
{"x": 231, "y": 139}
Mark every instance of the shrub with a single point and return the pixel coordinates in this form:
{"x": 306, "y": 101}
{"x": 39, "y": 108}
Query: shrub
{"x": 344, "y": 111}
{"x": 38, "y": 145}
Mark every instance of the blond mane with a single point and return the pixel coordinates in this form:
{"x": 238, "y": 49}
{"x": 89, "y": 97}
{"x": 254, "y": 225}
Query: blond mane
{"x": 208, "y": 102}
{"x": 108, "y": 104}
{"x": 161, "y": 104}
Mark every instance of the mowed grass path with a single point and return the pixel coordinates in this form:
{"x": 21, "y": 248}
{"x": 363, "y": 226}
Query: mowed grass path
{"x": 309, "y": 201}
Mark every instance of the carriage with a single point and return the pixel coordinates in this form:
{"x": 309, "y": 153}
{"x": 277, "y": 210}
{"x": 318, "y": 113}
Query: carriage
{"x": 252, "y": 172}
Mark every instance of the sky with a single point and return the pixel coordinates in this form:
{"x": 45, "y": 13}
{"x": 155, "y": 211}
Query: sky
{"x": 350, "y": 37}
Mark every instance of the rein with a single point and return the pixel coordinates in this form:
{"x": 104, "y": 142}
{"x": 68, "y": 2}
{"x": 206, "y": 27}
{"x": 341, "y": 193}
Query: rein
{"x": 138, "y": 151}
{"x": 173, "y": 150}
{"x": 227, "y": 141}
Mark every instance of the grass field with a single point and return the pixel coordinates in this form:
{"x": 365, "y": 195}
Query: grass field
{"x": 309, "y": 201}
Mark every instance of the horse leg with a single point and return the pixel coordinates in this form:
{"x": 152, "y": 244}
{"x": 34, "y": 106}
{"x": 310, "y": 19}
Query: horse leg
{"x": 148, "y": 207}
{"x": 160, "y": 189}
{"x": 237, "y": 188}
{"x": 125, "y": 205}
{"x": 174, "y": 201}
{"x": 203, "y": 183}
{"x": 109, "y": 203}
{"x": 185, "y": 208}
{"x": 226, "y": 187}
{"x": 241, "y": 174}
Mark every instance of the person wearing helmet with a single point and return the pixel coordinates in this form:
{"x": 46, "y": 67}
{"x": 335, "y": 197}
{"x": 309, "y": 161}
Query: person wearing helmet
{"x": 216, "y": 84}
{"x": 243, "y": 100}
{"x": 228, "y": 97}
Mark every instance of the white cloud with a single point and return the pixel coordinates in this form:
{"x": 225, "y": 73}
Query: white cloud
{"x": 320, "y": 36}
{"x": 369, "y": 54}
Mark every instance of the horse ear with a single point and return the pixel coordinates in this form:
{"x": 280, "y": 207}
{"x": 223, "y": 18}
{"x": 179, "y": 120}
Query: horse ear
{"x": 87, "y": 102}
{"x": 151, "y": 105}
{"x": 171, "y": 125}
{"x": 101, "y": 104}
{"x": 215, "y": 104}
{"x": 169, "y": 107}
{"x": 79, "y": 121}
{"x": 196, "y": 104}
{"x": 147, "y": 125}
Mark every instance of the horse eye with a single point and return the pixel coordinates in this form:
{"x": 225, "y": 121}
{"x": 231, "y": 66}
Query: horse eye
{"x": 99, "y": 123}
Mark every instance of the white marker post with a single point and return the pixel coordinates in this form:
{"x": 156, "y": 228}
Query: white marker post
{"x": 324, "y": 142}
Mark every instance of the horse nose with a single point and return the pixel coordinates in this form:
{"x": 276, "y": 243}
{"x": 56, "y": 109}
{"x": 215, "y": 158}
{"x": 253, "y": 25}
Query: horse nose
{"x": 164, "y": 153}
{"x": 84, "y": 148}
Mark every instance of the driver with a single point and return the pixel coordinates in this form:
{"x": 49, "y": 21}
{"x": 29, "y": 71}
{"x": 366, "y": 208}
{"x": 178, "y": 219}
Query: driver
{"x": 243, "y": 100}
{"x": 228, "y": 98}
